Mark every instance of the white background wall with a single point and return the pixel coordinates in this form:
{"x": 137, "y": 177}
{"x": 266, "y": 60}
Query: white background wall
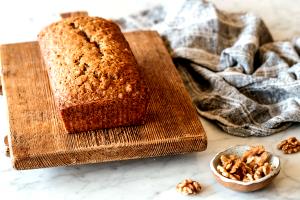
{"x": 21, "y": 20}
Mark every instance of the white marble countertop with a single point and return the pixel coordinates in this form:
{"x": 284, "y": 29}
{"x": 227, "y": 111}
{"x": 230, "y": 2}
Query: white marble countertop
{"x": 153, "y": 178}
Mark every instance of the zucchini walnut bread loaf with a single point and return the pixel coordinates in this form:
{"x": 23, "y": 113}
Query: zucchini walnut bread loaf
{"x": 93, "y": 74}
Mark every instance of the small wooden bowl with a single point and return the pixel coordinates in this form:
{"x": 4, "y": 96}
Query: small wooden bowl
{"x": 240, "y": 185}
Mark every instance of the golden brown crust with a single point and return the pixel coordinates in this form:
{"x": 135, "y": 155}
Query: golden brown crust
{"x": 92, "y": 71}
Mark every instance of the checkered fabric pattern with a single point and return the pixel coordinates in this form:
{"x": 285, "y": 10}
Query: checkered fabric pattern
{"x": 235, "y": 73}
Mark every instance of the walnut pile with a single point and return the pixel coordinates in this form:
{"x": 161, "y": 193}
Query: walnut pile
{"x": 188, "y": 187}
{"x": 290, "y": 145}
{"x": 253, "y": 165}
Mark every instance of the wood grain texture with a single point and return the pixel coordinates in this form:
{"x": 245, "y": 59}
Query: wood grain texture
{"x": 74, "y": 14}
{"x": 37, "y": 137}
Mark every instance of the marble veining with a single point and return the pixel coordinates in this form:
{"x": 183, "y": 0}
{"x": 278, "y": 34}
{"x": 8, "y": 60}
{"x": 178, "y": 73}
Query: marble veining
{"x": 152, "y": 178}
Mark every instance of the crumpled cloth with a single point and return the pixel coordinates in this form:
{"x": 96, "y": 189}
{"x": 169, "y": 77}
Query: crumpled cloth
{"x": 235, "y": 73}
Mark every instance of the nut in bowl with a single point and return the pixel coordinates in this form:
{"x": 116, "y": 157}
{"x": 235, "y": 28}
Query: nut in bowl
{"x": 245, "y": 168}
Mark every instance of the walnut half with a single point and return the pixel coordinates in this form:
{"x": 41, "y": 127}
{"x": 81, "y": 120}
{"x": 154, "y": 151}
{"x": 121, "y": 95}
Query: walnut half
{"x": 290, "y": 145}
{"x": 188, "y": 187}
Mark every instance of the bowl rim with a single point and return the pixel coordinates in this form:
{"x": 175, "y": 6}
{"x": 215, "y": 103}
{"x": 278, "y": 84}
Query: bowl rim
{"x": 275, "y": 170}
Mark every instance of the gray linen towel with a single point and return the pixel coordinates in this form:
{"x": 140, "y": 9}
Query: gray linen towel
{"x": 234, "y": 71}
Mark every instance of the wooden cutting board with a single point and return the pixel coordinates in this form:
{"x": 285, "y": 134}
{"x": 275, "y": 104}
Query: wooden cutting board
{"x": 37, "y": 137}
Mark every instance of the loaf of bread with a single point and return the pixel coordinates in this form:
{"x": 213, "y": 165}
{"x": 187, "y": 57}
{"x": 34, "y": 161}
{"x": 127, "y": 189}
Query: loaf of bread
{"x": 93, "y": 74}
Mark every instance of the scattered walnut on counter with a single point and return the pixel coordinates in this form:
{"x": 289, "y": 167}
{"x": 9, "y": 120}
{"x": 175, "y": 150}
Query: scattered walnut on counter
{"x": 6, "y": 140}
{"x": 188, "y": 187}
{"x": 290, "y": 145}
{"x": 7, "y": 153}
{"x": 253, "y": 165}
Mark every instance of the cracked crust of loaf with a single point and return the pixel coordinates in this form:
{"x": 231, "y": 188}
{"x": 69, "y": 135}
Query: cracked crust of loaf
{"x": 93, "y": 74}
